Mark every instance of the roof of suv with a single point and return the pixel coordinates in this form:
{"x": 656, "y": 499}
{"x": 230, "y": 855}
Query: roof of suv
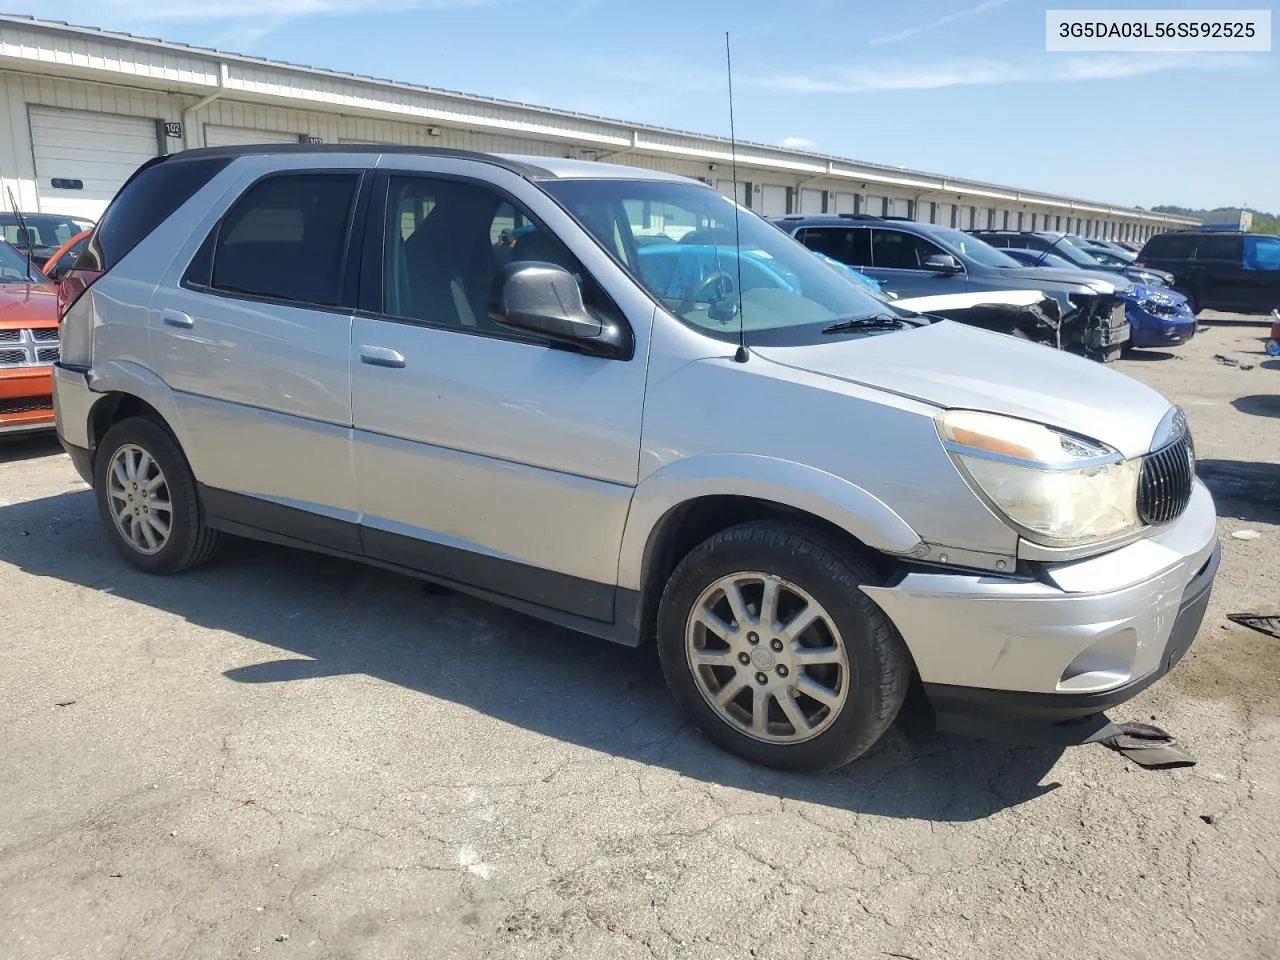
{"x": 530, "y": 167}
{"x": 851, "y": 219}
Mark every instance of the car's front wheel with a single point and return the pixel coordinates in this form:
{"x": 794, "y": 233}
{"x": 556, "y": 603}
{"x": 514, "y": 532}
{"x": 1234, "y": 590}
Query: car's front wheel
{"x": 770, "y": 645}
{"x": 147, "y": 499}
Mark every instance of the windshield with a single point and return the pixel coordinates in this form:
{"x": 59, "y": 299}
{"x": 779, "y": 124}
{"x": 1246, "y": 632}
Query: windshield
{"x": 47, "y": 231}
{"x": 1041, "y": 259}
{"x": 677, "y": 240}
{"x": 976, "y": 250}
{"x": 13, "y": 266}
{"x": 1068, "y": 251}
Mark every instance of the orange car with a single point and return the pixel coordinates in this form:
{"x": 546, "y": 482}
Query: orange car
{"x": 64, "y": 258}
{"x": 28, "y": 344}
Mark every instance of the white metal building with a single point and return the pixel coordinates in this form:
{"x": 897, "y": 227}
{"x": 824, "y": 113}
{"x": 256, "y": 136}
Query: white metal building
{"x": 80, "y": 109}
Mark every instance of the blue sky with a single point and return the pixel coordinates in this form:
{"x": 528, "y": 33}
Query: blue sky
{"x": 963, "y": 87}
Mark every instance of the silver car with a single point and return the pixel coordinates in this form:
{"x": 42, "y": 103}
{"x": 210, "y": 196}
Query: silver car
{"x": 613, "y": 399}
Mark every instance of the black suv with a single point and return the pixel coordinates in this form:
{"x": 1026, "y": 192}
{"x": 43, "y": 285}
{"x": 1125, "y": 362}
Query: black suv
{"x": 915, "y": 259}
{"x": 1073, "y": 248}
{"x": 1238, "y": 272}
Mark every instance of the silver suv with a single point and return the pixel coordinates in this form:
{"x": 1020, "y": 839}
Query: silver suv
{"x": 523, "y": 377}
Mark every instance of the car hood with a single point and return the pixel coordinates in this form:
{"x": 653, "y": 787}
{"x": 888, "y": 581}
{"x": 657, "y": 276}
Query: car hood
{"x": 952, "y": 366}
{"x": 28, "y": 305}
{"x": 1041, "y": 275}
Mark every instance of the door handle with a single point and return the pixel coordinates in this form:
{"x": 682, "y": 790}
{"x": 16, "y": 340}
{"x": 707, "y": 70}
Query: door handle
{"x": 377, "y": 356}
{"x": 176, "y": 318}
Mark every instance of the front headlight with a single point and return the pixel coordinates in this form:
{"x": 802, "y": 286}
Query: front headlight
{"x": 1059, "y": 489}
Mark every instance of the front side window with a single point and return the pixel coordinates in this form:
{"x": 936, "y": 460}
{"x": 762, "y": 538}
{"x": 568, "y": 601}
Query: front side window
{"x": 894, "y": 250}
{"x": 284, "y": 239}
{"x": 444, "y": 242}
{"x": 680, "y": 242}
{"x": 1262, "y": 253}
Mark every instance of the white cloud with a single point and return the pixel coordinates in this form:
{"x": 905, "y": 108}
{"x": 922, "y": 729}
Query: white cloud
{"x": 796, "y": 143}
{"x": 940, "y": 21}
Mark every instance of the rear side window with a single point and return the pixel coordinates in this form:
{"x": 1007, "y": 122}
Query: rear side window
{"x": 851, "y": 246}
{"x": 286, "y": 238}
{"x": 1169, "y": 246}
{"x": 146, "y": 200}
{"x": 1219, "y": 248}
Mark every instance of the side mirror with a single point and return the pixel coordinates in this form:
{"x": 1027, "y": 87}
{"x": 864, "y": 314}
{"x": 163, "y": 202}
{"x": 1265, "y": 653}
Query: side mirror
{"x": 59, "y": 271}
{"x": 545, "y": 299}
{"x": 942, "y": 263}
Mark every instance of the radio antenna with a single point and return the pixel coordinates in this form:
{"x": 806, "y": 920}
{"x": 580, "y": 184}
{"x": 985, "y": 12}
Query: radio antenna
{"x": 741, "y": 355}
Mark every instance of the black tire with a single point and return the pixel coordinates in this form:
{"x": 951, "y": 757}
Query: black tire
{"x": 191, "y": 542}
{"x": 832, "y": 573}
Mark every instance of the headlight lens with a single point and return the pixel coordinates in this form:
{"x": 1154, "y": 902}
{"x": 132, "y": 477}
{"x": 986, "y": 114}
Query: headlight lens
{"x": 1061, "y": 490}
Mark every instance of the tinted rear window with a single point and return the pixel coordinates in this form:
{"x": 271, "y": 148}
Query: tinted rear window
{"x": 1219, "y": 248}
{"x": 143, "y": 203}
{"x": 1168, "y": 246}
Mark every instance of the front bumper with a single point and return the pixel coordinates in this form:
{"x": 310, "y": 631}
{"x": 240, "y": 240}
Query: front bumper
{"x": 72, "y": 403}
{"x": 1150, "y": 330}
{"x": 1038, "y": 659}
{"x": 25, "y": 403}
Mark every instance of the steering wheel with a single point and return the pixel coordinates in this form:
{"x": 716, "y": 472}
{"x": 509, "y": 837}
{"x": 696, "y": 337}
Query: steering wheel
{"x": 694, "y": 292}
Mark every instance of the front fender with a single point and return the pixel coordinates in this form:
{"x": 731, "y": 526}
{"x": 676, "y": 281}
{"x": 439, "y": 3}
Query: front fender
{"x": 784, "y": 482}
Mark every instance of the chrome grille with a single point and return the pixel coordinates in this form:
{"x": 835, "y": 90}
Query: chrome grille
{"x": 1164, "y": 486}
{"x": 28, "y": 348}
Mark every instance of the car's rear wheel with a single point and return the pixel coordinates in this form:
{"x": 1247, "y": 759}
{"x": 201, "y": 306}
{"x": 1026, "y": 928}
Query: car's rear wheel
{"x": 147, "y": 499}
{"x": 772, "y": 648}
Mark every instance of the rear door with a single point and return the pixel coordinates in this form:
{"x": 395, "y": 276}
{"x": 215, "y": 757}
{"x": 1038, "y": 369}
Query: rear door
{"x": 1260, "y": 279}
{"x": 253, "y": 335}
{"x": 1217, "y": 272}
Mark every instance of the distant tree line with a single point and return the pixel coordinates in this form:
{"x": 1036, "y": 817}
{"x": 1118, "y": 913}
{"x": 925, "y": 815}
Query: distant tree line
{"x": 1262, "y": 222}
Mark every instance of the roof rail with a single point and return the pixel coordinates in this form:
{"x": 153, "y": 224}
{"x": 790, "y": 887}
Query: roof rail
{"x": 859, "y": 216}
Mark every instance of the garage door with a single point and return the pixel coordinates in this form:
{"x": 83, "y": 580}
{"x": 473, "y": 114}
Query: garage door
{"x": 89, "y": 156}
{"x": 845, "y": 203}
{"x": 773, "y": 200}
{"x": 726, "y": 187}
{"x": 811, "y": 201}
{"x": 215, "y": 136}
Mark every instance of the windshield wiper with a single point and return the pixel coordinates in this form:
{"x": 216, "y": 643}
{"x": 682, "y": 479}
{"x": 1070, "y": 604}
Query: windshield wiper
{"x": 876, "y": 321}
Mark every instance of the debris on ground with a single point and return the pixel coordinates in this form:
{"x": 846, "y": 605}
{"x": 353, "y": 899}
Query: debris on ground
{"x": 1246, "y": 535}
{"x": 1232, "y": 362}
{"x": 1257, "y": 621}
{"x": 1148, "y": 746}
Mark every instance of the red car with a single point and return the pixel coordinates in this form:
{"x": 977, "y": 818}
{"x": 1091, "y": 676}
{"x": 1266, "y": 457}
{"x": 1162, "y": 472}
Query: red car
{"x": 28, "y": 344}
{"x": 64, "y": 258}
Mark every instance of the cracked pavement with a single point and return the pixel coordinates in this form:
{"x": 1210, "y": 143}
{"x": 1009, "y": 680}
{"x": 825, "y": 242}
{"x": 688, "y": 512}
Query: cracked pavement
{"x": 285, "y": 755}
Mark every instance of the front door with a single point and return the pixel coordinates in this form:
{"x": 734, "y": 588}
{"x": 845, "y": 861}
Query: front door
{"x": 484, "y": 456}
{"x": 1260, "y": 280}
{"x": 254, "y": 341}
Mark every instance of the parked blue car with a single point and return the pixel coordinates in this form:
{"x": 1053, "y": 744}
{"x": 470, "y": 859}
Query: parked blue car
{"x": 1158, "y": 316}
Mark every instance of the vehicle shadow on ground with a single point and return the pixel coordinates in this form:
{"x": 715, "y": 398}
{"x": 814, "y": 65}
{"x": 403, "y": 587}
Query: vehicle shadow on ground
{"x": 1243, "y": 489}
{"x": 333, "y": 617}
{"x": 1259, "y": 405}
{"x": 1147, "y": 355}
{"x": 28, "y": 448}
